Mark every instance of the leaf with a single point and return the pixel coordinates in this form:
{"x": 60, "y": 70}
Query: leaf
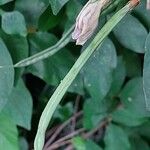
{"x": 115, "y": 138}
{"x": 137, "y": 143}
{"x": 19, "y": 106}
{"x": 134, "y": 110}
{"x": 31, "y": 11}
{"x": 132, "y": 63}
{"x": 132, "y": 97}
{"x": 14, "y": 23}
{"x": 98, "y": 70}
{"x": 2, "y": 2}
{"x": 81, "y": 144}
{"x": 143, "y": 13}
{"x": 127, "y": 118}
{"x": 118, "y": 77}
{"x": 56, "y": 5}
{"x": 6, "y": 74}
{"x": 63, "y": 112}
{"x": 23, "y": 144}
{"x": 45, "y": 24}
{"x": 146, "y": 73}
{"x": 131, "y": 34}
{"x": 8, "y": 134}
{"x": 95, "y": 111}
{"x": 144, "y": 130}
{"x": 18, "y": 48}
{"x": 73, "y": 9}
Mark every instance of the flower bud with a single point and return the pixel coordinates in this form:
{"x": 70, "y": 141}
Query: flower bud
{"x": 87, "y": 20}
{"x": 148, "y": 5}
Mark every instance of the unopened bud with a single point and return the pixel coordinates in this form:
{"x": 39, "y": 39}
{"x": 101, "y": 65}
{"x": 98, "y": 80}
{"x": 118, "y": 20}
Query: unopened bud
{"x": 87, "y": 20}
{"x": 148, "y": 5}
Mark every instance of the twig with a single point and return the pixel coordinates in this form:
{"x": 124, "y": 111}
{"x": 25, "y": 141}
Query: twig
{"x": 66, "y": 138}
{"x": 90, "y": 133}
{"x": 51, "y": 131}
{"x": 57, "y": 132}
{"x": 59, "y": 145}
{"x": 77, "y": 102}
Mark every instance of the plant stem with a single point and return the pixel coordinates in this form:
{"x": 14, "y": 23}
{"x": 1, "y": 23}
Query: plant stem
{"x": 48, "y": 52}
{"x": 66, "y": 82}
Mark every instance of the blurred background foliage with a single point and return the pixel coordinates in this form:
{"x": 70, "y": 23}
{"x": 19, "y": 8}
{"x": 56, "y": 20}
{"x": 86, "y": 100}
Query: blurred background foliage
{"x": 105, "y": 107}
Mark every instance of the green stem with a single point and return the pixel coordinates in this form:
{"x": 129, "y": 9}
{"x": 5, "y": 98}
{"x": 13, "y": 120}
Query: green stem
{"x": 48, "y": 52}
{"x": 66, "y": 82}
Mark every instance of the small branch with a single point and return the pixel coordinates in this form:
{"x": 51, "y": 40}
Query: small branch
{"x": 60, "y": 128}
{"x": 66, "y": 138}
{"x": 90, "y": 133}
{"x": 51, "y": 131}
{"x": 76, "y": 107}
{"x": 59, "y": 145}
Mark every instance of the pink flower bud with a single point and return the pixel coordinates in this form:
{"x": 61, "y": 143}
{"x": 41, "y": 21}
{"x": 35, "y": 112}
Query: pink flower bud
{"x": 87, "y": 20}
{"x": 148, "y": 5}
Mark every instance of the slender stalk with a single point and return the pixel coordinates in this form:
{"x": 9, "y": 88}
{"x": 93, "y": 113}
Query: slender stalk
{"x": 48, "y": 52}
{"x": 66, "y": 82}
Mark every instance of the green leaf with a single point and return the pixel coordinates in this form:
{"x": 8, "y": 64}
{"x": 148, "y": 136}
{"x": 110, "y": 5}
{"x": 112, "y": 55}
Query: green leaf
{"x": 18, "y": 48}
{"x": 118, "y": 77}
{"x": 2, "y": 2}
{"x": 137, "y": 143}
{"x": 95, "y": 110}
{"x": 133, "y": 112}
{"x": 115, "y": 138}
{"x": 45, "y": 24}
{"x": 19, "y": 106}
{"x": 146, "y": 73}
{"x": 64, "y": 112}
{"x": 144, "y": 130}
{"x": 132, "y": 63}
{"x": 81, "y": 144}
{"x": 14, "y": 23}
{"x": 127, "y": 118}
{"x": 98, "y": 70}
{"x": 131, "y": 34}
{"x": 31, "y": 9}
{"x": 23, "y": 144}
{"x": 56, "y": 5}
{"x": 8, "y": 134}
{"x": 143, "y": 13}
{"x": 132, "y": 97}
{"x": 73, "y": 9}
{"x": 6, "y": 74}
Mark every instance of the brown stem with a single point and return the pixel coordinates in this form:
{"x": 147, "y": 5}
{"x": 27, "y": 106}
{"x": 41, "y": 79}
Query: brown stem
{"x": 90, "y": 133}
{"x": 66, "y": 138}
{"x": 57, "y": 132}
{"x": 58, "y": 145}
{"x": 77, "y": 102}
